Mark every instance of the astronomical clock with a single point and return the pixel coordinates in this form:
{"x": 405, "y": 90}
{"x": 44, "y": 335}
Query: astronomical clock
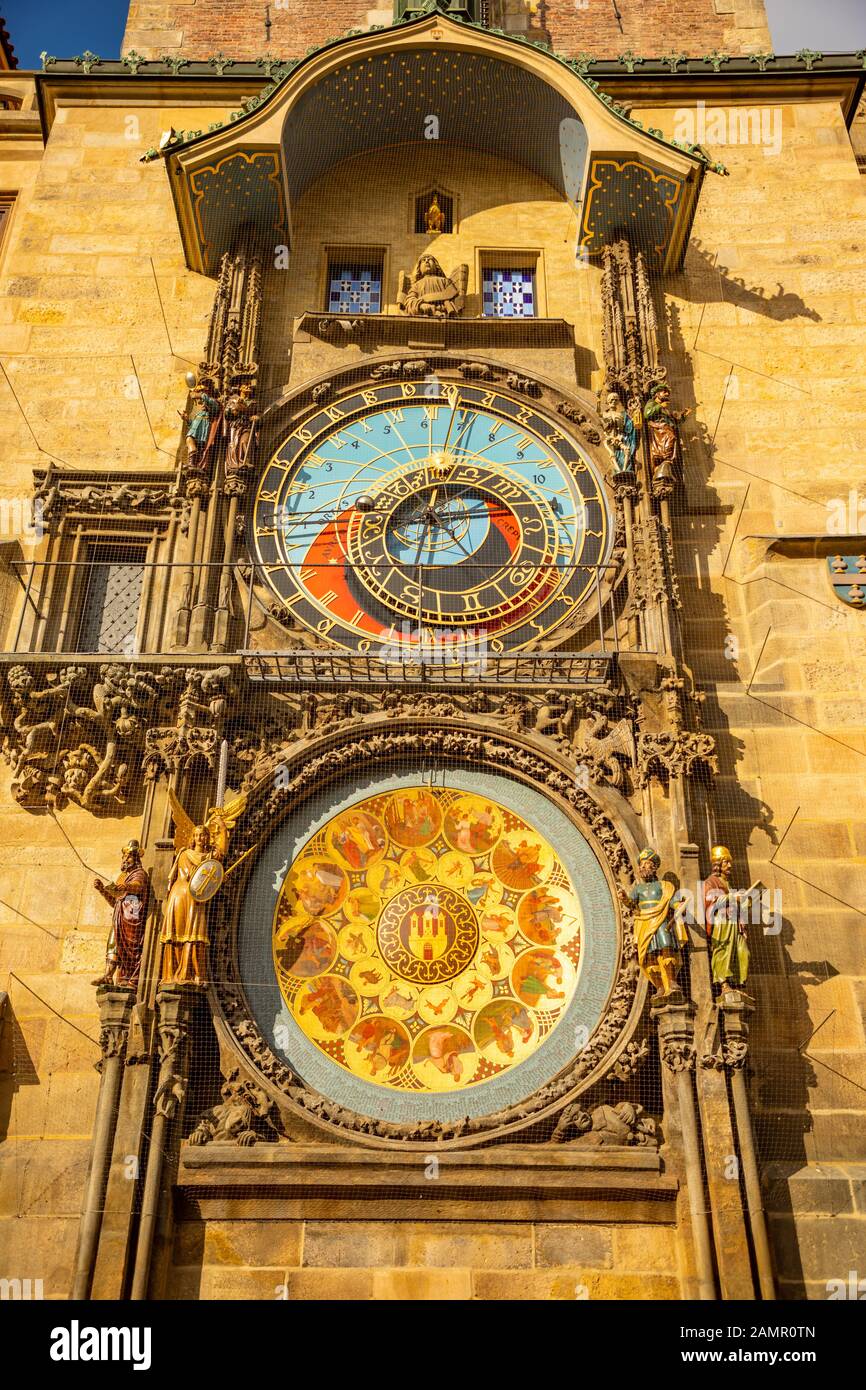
{"x": 427, "y": 932}
{"x": 415, "y": 510}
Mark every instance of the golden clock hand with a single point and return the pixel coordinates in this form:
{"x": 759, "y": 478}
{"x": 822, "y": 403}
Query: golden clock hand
{"x": 426, "y": 519}
{"x": 451, "y": 421}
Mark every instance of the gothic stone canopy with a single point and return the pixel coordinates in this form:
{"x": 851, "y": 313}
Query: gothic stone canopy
{"x": 484, "y": 91}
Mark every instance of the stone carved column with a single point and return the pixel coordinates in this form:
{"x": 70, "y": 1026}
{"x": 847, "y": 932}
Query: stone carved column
{"x": 677, "y": 1049}
{"x": 735, "y": 1012}
{"x": 232, "y": 364}
{"x": 174, "y": 1004}
{"x": 115, "y": 1013}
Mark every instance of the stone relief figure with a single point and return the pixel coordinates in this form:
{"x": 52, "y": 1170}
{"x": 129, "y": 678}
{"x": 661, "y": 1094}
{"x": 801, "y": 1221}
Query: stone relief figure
{"x": 663, "y": 428}
{"x": 239, "y": 424}
{"x": 128, "y": 897}
{"x": 607, "y": 1126}
{"x": 202, "y": 426}
{"x": 241, "y": 1118}
{"x": 609, "y": 749}
{"x": 658, "y": 932}
{"x": 621, "y": 430}
{"x": 724, "y": 911}
{"x": 196, "y": 876}
{"x": 430, "y": 293}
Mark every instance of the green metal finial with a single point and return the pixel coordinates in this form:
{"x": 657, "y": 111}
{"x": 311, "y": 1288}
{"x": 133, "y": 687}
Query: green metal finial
{"x": 809, "y": 57}
{"x": 716, "y": 59}
{"x": 630, "y": 60}
{"x": 87, "y": 60}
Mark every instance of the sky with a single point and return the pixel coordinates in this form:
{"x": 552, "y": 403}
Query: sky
{"x": 65, "y": 29}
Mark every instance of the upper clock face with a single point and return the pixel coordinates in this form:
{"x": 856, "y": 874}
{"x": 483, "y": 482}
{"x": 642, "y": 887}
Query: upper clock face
{"x": 412, "y": 513}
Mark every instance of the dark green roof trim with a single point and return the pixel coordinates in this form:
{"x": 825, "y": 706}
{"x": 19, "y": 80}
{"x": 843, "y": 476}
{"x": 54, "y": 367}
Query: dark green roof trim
{"x": 276, "y": 70}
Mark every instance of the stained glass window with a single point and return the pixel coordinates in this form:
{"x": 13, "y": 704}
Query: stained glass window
{"x": 355, "y": 287}
{"x": 508, "y": 293}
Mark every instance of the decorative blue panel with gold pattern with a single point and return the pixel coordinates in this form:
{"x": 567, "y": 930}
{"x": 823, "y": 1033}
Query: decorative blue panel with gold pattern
{"x": 628, "y": 198}
{"x": 848, "y": 577}
{"x": 244, "y": 189}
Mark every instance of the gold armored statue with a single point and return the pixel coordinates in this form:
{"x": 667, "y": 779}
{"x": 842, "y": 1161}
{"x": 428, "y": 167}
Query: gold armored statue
{"x": 196, "y": 876}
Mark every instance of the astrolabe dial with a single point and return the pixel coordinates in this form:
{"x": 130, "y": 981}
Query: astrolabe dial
{"x": 478, "y": 547}
{"x": 413, "y": 509}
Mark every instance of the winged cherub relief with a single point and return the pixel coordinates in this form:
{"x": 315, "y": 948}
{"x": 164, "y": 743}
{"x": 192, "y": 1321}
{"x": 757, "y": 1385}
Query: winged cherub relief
{"x": 196, "y": 876}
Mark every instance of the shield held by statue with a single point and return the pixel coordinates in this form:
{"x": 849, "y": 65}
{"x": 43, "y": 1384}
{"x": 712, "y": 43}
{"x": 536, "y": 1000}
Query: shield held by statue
{"x": 206, "y": 881}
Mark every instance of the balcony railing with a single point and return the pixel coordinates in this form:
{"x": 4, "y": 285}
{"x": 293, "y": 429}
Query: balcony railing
{"x": 166, "y": 610}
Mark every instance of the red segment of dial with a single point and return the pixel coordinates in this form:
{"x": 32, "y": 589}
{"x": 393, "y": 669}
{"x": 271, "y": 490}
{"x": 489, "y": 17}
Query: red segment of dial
{"x": 328, "y": 583}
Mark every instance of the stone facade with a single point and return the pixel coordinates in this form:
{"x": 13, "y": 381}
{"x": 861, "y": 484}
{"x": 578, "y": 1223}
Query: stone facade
{"x": 761, "y": 330}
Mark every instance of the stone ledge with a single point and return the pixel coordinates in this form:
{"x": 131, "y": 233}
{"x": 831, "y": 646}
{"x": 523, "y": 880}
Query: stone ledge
{"x": 400, "y": 330}
{"x": 508, "y": 1183}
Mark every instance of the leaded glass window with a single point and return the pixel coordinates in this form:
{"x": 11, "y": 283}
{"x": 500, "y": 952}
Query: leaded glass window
{"x": 112, "y": 599}
{"x": 508, "y": 293}
{"x": 355, "y": 287}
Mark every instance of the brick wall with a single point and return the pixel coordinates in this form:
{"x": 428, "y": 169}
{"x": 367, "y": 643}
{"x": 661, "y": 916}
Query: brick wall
{"x": 200, "y": 28}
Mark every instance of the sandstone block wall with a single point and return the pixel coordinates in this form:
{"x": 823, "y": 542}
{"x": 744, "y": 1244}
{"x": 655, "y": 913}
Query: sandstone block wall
{"x": 422, "y": 1260}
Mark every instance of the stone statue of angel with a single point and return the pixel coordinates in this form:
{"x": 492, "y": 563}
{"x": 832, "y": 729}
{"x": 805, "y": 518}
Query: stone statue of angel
{"x": 429, "y": 293}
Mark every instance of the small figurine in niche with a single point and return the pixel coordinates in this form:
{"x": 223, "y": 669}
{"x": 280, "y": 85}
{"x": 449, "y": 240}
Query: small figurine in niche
{"x": 196, "y": 876}
{"x": 128, "y": 896}
{"x": 202, "y": 425}
{"x": 434, "y": 218}
{"x": 430, "y": 293}
{"x": 621, "y": 429}
{"x": 725, "y": 911}
{"x": 659, "y": 932}
{"x": 664, "y": 434}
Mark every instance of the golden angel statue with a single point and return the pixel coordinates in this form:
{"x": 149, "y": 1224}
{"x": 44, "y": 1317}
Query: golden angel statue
{"x": 196, "y": 876}
{"x": 428, "y": 292}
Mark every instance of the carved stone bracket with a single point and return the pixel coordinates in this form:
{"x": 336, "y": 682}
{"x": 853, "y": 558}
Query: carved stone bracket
{"x": 77, "y": 733}
{"x": 173, "y": 1006}
{"x": 733, "y": 1050}
{"x": 676, "y": 1027}
{"x": 115, "y": 1014}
